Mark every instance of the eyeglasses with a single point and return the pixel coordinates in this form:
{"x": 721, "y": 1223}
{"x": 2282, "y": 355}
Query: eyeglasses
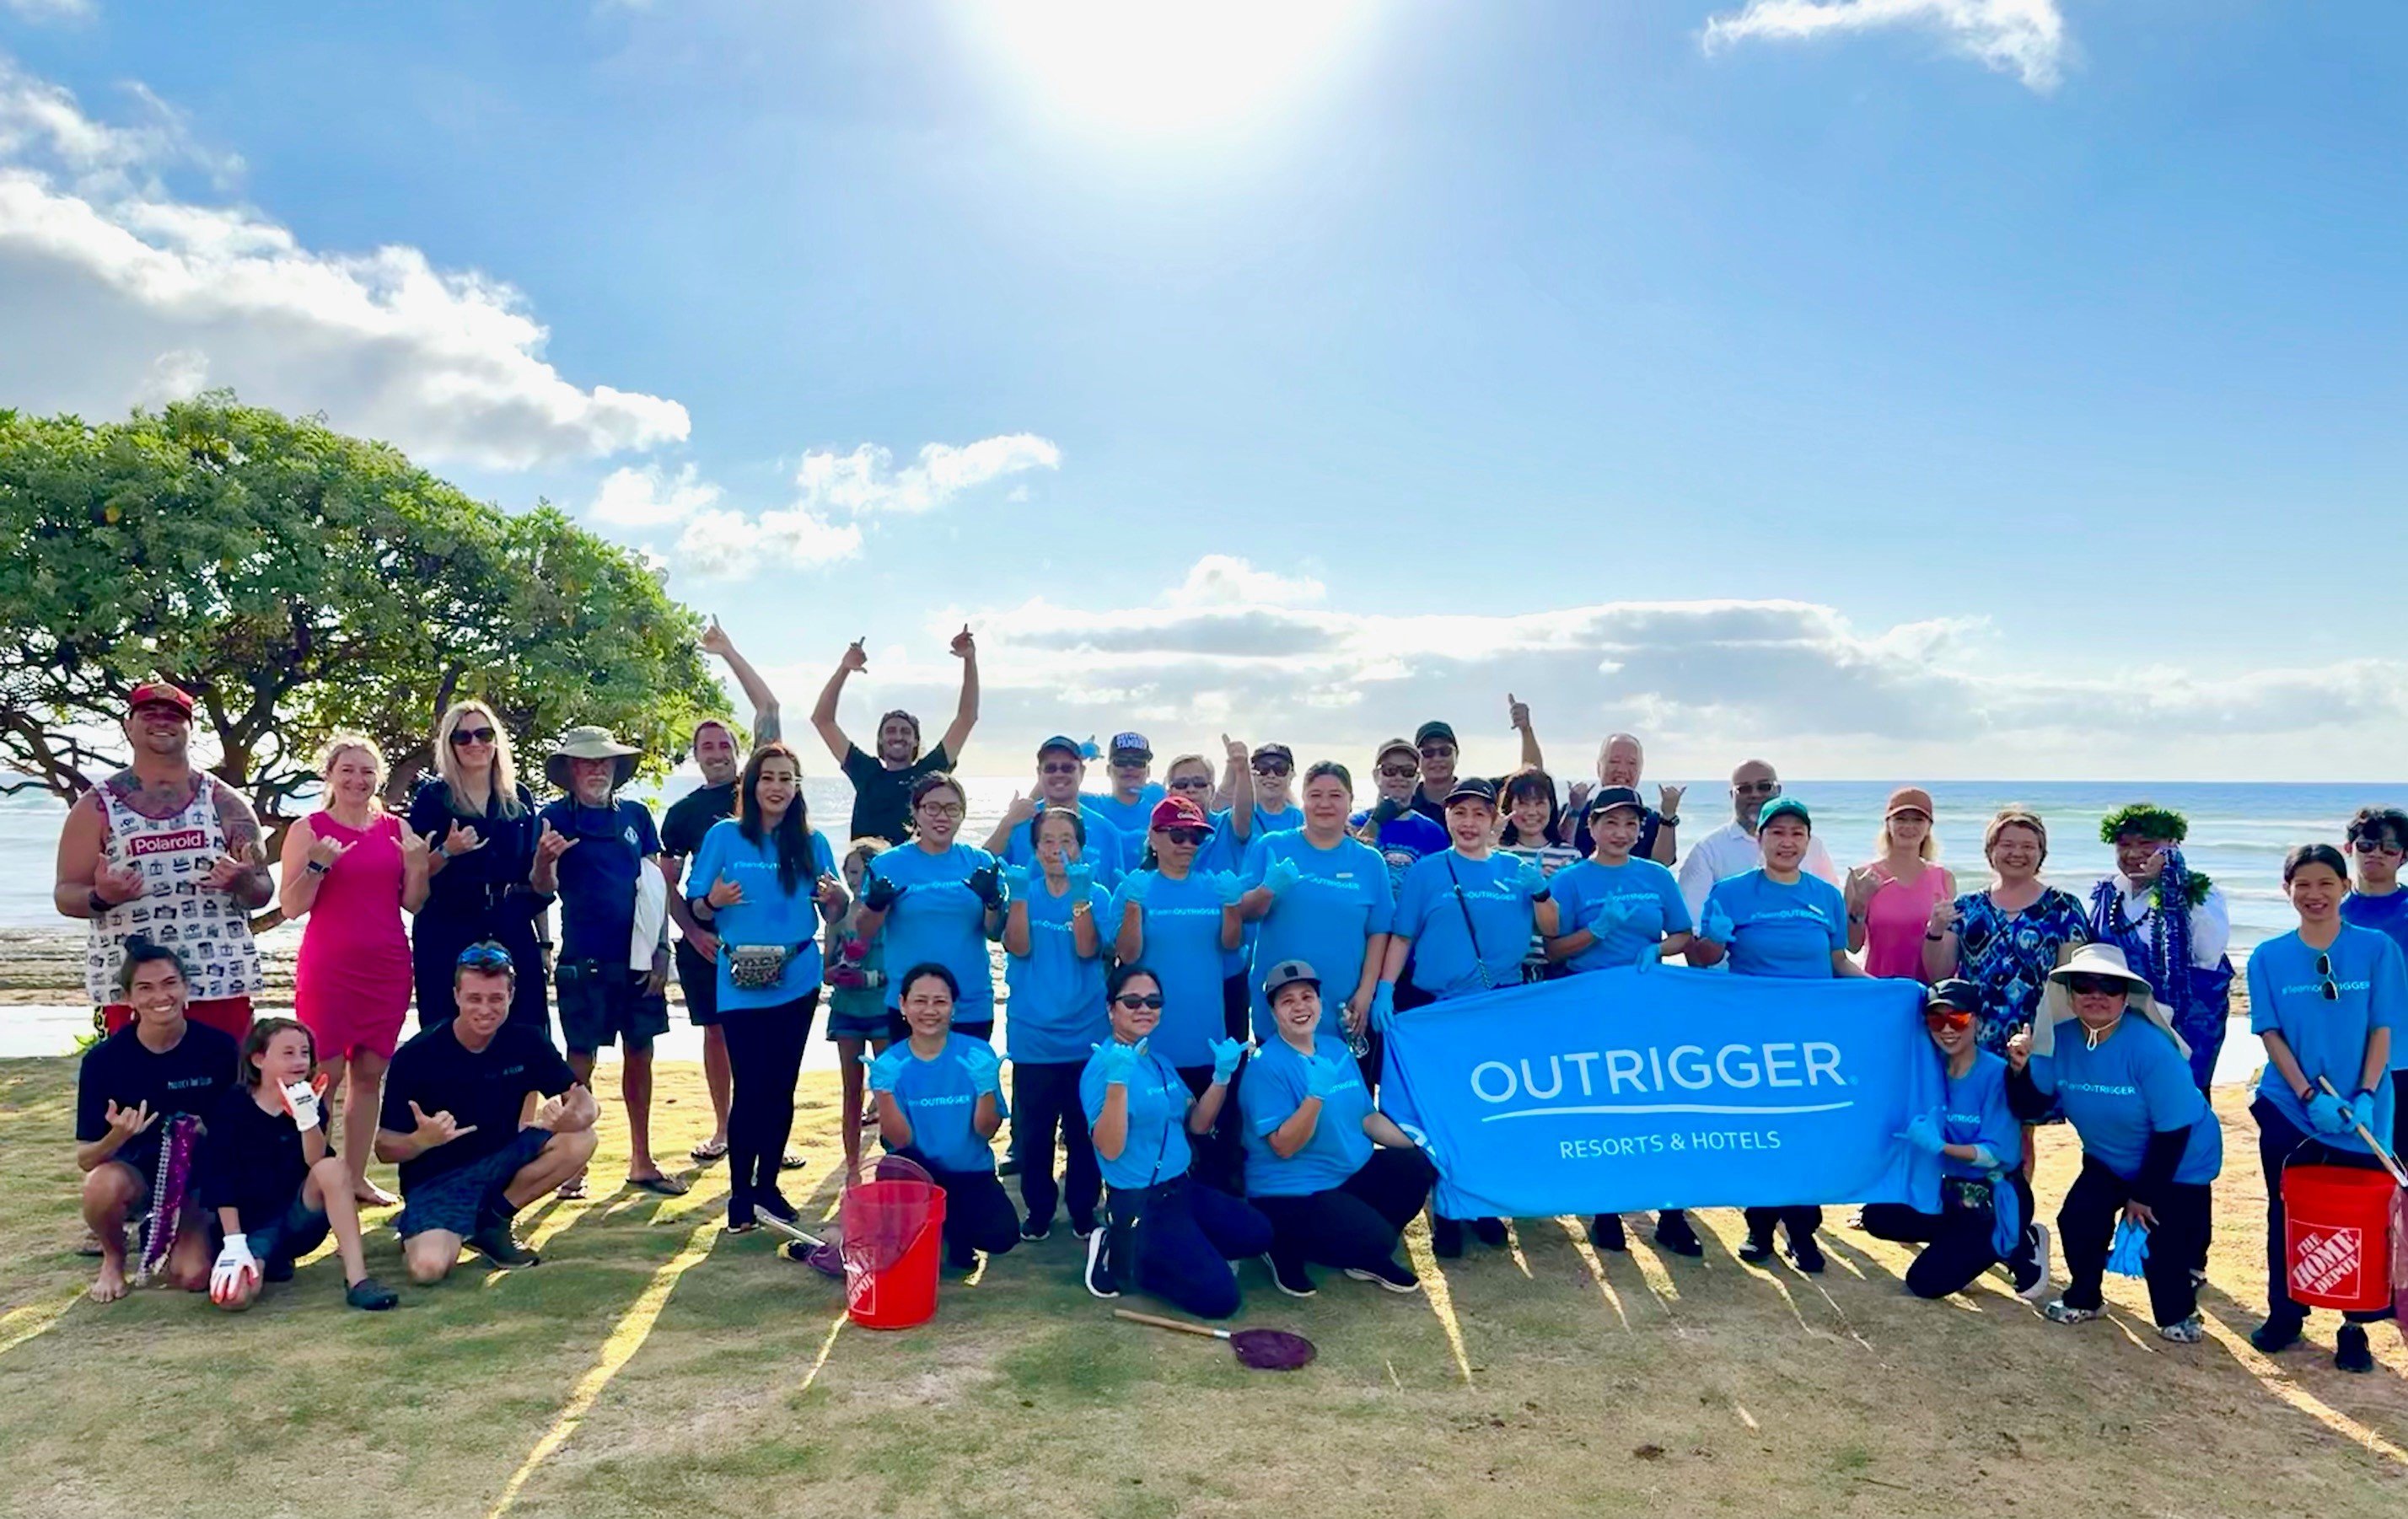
{"x": 1758, "y": 788}
{"x": 2094, "y": 985}
{"x": 2372, "y": 845}
{"x": 1437, "y": 751}
{"x": 1399, "y": 772}
{"x": 941, "y": 809}
{"x": 1270, "y": 766}
{"x": 1956, "y": 1020}
{"x": 1186, "y": 836}
{"x": 485, "y": 957}
{"x": 2326, "y": 988}
{"x": 463, "y": 738}
{"x": 1057, "y": 769}
{"x": 1134, "y": 1000}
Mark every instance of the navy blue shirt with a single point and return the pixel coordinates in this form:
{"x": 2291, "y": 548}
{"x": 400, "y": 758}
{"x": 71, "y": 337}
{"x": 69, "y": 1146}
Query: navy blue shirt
{"x": 597, "y": 878}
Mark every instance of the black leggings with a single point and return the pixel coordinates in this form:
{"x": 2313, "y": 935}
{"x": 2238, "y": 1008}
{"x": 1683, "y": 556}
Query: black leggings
{"x": 1355, "y": 1225}
{"x": 2087, "y": 1227}
{"x": 1957, "y": 1239}
{"x": 1044, "y": 1101}
{"x": 979, "y": 1215}
{"x": 2279, "y": 1143}
{"x": 764, "y": 1055}
{"x": 1176, "y": 1241}
{"x": 1800, "y": 1222}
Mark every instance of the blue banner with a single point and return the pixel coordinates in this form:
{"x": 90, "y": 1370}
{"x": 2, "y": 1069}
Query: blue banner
{"x": 1618, "y": 1092}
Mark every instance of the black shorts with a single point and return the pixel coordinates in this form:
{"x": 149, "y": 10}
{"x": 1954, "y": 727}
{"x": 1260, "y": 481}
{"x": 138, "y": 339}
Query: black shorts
{"x": 453, "y": 1201}
{"x": 300, "y": 1231}
{"x": 602, "y": 1004}
{"x": 698, "y": 979}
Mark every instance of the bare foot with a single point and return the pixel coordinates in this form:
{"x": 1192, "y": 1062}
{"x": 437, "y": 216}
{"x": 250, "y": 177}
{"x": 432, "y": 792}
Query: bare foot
{"x": 369, "y": 1195}
{"x": 109, "y": 1285}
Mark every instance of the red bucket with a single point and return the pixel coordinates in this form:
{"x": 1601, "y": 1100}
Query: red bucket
{"x": 2337, "y": 1236}
{"x": 893, "y": 1234}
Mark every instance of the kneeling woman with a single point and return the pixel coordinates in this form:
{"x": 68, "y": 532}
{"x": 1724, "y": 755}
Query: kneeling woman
{"x": 1984, "y": 1203}
{"x": 1338, "y": 1180}
{"x": 2328, "y": 1000}
{"x": 2150, "y": 1146}
{"x": 939, "y": 1101}
{"x": 1164, "y": 1232}
{"x": 275, "y": 1187}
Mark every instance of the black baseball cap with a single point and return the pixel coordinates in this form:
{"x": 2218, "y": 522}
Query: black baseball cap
{"x": 1956, "y": 992}
{"x": 1432, "y": 729}
{"x": 1289, "y": 973}
{"x": 1264, "y": 751}
{"x": 1472, "y": 789}
{"x": 1609, "y": 798}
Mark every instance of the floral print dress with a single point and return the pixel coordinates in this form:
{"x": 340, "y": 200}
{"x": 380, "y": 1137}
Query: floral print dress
{"x": 2010, "y": 955}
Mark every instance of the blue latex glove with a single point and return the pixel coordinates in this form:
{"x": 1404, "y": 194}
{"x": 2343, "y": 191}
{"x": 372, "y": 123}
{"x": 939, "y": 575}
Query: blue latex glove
{"x": 1015, "y": 882}
{"x": 2327, "y": 1114}
{"x": 1605, "y": 918}
{"x": 1650, "y": 956}
{"x": 1529, "y": 882}
{"x": 1322, "y": 1074}
{"x": 2007, "y": 1207}
{"x": 1923, "y": 1132}
{"x": 986, "y": 1071}
{"x": 1227, "y": 1055}
{"x": 1280, "y": 875}
{"x": 1138, "y": 885}
{"x": 1080, "y": 878}
{"x": 2129, "y": 1253}
{"x": 1119, "y": 1061}
{"x": 1226, "y": 887}
{"x": 881, "y": 1077}
{"x": 1383, "y": 1007}
{"x": 2361, "y": 1111}
{"x": 1718, "y": 925}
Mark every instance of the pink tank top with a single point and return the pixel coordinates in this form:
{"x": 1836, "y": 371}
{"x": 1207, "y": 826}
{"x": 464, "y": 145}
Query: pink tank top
{"x": 1896, "y": 920}
{"x": 354, "y": 952}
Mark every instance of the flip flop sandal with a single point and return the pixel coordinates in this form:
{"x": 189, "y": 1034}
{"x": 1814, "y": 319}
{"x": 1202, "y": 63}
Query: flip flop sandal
{"x": 708, "y": 1150}
{"x": 666, "y": 1186}
{"x": 572, "y": 1189}
{"x": 791, "y": 1161}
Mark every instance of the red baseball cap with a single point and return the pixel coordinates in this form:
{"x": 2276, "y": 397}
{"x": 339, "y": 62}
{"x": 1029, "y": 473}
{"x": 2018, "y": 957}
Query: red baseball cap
{"x": 1177, "y": 813}
{"x": 158, "y": 693}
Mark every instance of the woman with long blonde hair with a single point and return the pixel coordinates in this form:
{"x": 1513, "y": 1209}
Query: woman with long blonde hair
{"x": 480, "y": 825}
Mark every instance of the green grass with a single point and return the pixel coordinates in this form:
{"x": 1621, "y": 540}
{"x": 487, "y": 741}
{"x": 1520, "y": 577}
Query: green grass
{"x": 1544, "y": 1381}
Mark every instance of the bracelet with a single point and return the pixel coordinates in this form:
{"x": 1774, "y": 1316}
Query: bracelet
{"x": 1663, "y": 822}
{"x": 316, "y": 869}
{"x": 98, "y": 904}
{"x": 1934, "y": 939}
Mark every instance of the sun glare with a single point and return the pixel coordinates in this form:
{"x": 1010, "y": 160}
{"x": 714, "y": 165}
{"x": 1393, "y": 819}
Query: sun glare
{"x": 1167, "y": 65}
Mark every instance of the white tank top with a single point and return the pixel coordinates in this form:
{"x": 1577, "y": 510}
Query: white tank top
{"x": 209, "y": 928}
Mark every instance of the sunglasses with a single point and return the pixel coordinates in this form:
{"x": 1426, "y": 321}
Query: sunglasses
{"x": 1758, "y": 788}
{"x": 1057, "y": 769}
{"x": 2095, "y": 986}
{"x": 1134, "y": 1000}
{"x": 463, "y": 738}
{"x": 1194, "y": 783}
{"x": 1399, "y": 772}
{"x": 2376, "y": 846}
{"x": 1270, "y": 766}
{"x": 1186, "y": 836}
{"x": 1438, "y": 750}
{"x": 485, "y": 957}
{"x": 1956, "y": 1020}
{"x": 2325, "y": 987}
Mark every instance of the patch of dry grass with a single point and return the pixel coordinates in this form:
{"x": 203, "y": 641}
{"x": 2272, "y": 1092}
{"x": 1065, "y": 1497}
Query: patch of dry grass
{"x": 708, "y": 1376}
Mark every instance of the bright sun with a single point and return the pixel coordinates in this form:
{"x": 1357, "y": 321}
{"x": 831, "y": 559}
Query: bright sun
{"x": 1166, "y": 65}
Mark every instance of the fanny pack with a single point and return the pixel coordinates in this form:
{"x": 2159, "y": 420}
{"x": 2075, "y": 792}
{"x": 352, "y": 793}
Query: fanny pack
{"x": 1968, "y": 1192}
{"x": 756, "y": 967}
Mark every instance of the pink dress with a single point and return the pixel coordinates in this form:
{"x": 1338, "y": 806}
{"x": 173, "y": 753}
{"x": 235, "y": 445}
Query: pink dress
{"x": 1896, "y": 920}
{"x": 351, "y": 987}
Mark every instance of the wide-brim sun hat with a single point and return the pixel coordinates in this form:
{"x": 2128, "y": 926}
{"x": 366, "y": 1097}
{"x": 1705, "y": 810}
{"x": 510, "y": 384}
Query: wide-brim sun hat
{"x": 2057, "y": 995}
{"x": 589, "y": 743}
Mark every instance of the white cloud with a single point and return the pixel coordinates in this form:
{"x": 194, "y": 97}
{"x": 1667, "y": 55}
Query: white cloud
{"x": 113, "y": 290}
{"x": 1223, "y": 580}
{"x": 651, "y": 497}
{"x": 50, "y": 10}
{"x": 730, "y": 546}
{"x": 866, "y": 481}
{"x": 2023, "y": 37}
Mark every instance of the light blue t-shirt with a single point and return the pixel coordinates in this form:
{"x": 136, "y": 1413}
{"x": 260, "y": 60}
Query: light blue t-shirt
{"x": 2287, "y": 996}
{"x": 1057, "y": 995}
{"x": 1130, "y": 819}
{"x": 1642, "y": 892}
{"x": 767, "y": 915}
{"x": 1286, "y": 821}
{"x": 939, "y": 919}
{"x": 1780, "y": 930}
{"x": 1323, "y": 919}
{"x": 2134, "y": 1084}
{"x": 940, "y": 1099}
{"x": 1226, "y": 852}
{"x": 1181, "y": 921}
{"x": 1104, "y": 851}
{"x": 1975, "y": 1112}
{"x": 1273, "y": 1091}
{"x": 1445, "y": 964}
{"x": 1156, "y": 1149}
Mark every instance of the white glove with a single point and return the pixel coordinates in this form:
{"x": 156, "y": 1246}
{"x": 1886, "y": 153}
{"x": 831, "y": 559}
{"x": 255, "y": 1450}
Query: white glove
{"x": 301, "y": 1105}
{"x": 236, "y": 1272}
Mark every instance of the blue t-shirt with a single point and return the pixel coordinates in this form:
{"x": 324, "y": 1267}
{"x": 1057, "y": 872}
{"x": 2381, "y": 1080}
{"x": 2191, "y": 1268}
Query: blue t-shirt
{"x": 1402, "y": 840}
{"x": 940, "y": 1099}
{"x": 1130, "y": 819}
{"x": 1975, "y": 1112}
{"x": 1181, "y": 924}
{"x": 1780, "y": 930}
{"x": 2387, "y": 914}
{"x": 1057, "y": 995}
{"x": 597, "y": 878}
{"x": 1106, "y": 852}
{"x": 1287, "y": 820}
{"x": 1642, "y": 892}
{"x": 2287, "y": 997}
{"x": 1427, "y": 914}
{"x": 1323, "y": 919}
{"x": 2133, "y": 1086}
{"x": 1270, "y": 1096}
{"x": 1156, "y": 1148}
{"x": 939, "y": 919}
{"x": 767, "y": 914}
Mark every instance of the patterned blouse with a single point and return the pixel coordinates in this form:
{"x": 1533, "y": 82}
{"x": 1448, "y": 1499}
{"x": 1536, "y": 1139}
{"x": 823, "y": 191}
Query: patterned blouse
{"x": 2009, "y": 955}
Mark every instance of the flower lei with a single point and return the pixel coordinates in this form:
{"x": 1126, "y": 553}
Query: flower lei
{"x": 168, "y": 1187}
{"x": 2168, "y": 952}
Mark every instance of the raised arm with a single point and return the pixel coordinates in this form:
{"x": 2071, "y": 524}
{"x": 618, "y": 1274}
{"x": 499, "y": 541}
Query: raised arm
{"x": 824, "y": 711}
{"x": 756, "y": 690}
{"x": 1518, "y": 712}
{"x": 965, "y": 711}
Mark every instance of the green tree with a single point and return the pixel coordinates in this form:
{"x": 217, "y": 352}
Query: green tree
{"x": 296, "y": 582}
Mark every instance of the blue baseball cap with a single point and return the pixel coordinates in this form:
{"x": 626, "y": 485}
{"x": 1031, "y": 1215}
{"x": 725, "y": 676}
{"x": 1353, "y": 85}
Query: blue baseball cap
{"x": 1071, "y": 746}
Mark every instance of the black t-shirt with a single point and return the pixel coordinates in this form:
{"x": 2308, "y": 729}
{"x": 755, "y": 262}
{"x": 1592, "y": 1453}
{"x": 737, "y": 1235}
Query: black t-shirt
{"x": 488, "y": 884}
{"x": 881, "y": 798}
{"x": 184, "y": 1080}
{"x": 485, "y": 1089}
{"x": 250, "y": 1161}
{"x": 687, "y": 820}
{"x": 1436, "y": 810}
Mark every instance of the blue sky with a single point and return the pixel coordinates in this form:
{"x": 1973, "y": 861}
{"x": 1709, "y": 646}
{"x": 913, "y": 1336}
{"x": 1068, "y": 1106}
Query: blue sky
{"x": 1900, "y": 387}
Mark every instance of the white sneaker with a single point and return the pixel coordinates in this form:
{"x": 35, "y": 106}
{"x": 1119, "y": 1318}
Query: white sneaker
{"x": 2190, "y": 1332}
{"x": 2039, "y": 1288}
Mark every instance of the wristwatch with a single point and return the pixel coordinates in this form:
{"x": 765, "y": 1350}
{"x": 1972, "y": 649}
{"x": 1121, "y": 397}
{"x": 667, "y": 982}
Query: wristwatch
{"x": 317, "y": 868}
{"x": 1663, "y": 822}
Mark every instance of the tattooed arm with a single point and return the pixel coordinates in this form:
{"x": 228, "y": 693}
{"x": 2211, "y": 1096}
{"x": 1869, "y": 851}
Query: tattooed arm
{"x": 243, "y": 870}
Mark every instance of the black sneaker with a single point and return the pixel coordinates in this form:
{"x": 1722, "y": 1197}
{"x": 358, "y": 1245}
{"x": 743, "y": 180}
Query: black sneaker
{"x": 2280, "y": 1332}
{"x": 1387, "y": 1275}
{"x": 1674, "y": 1233}
{"x": 1807, "y": 1255}
{"x": 369, "y": 1293}
{"x": 1295, "y": 1280}
{"x": 964, "y": 1259}
{"x": 1489, "y": 1231}
{"x": 1037, "y": 1231}
{"x": 1446, "y": 1239}
{"x": 1082, "y": 1227}
{"x": 1008, "y": 1165}
{"x": 773, "y": 1202}
{"x": 2349, "y": 1349}
{"x": 1756, "y": 1251}
{"x": 2031, "y": 1273}
{"x": 495, "y": 1243}
{"x": 1099, "y": 1275}
{"x": 1605, "y": 1232}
